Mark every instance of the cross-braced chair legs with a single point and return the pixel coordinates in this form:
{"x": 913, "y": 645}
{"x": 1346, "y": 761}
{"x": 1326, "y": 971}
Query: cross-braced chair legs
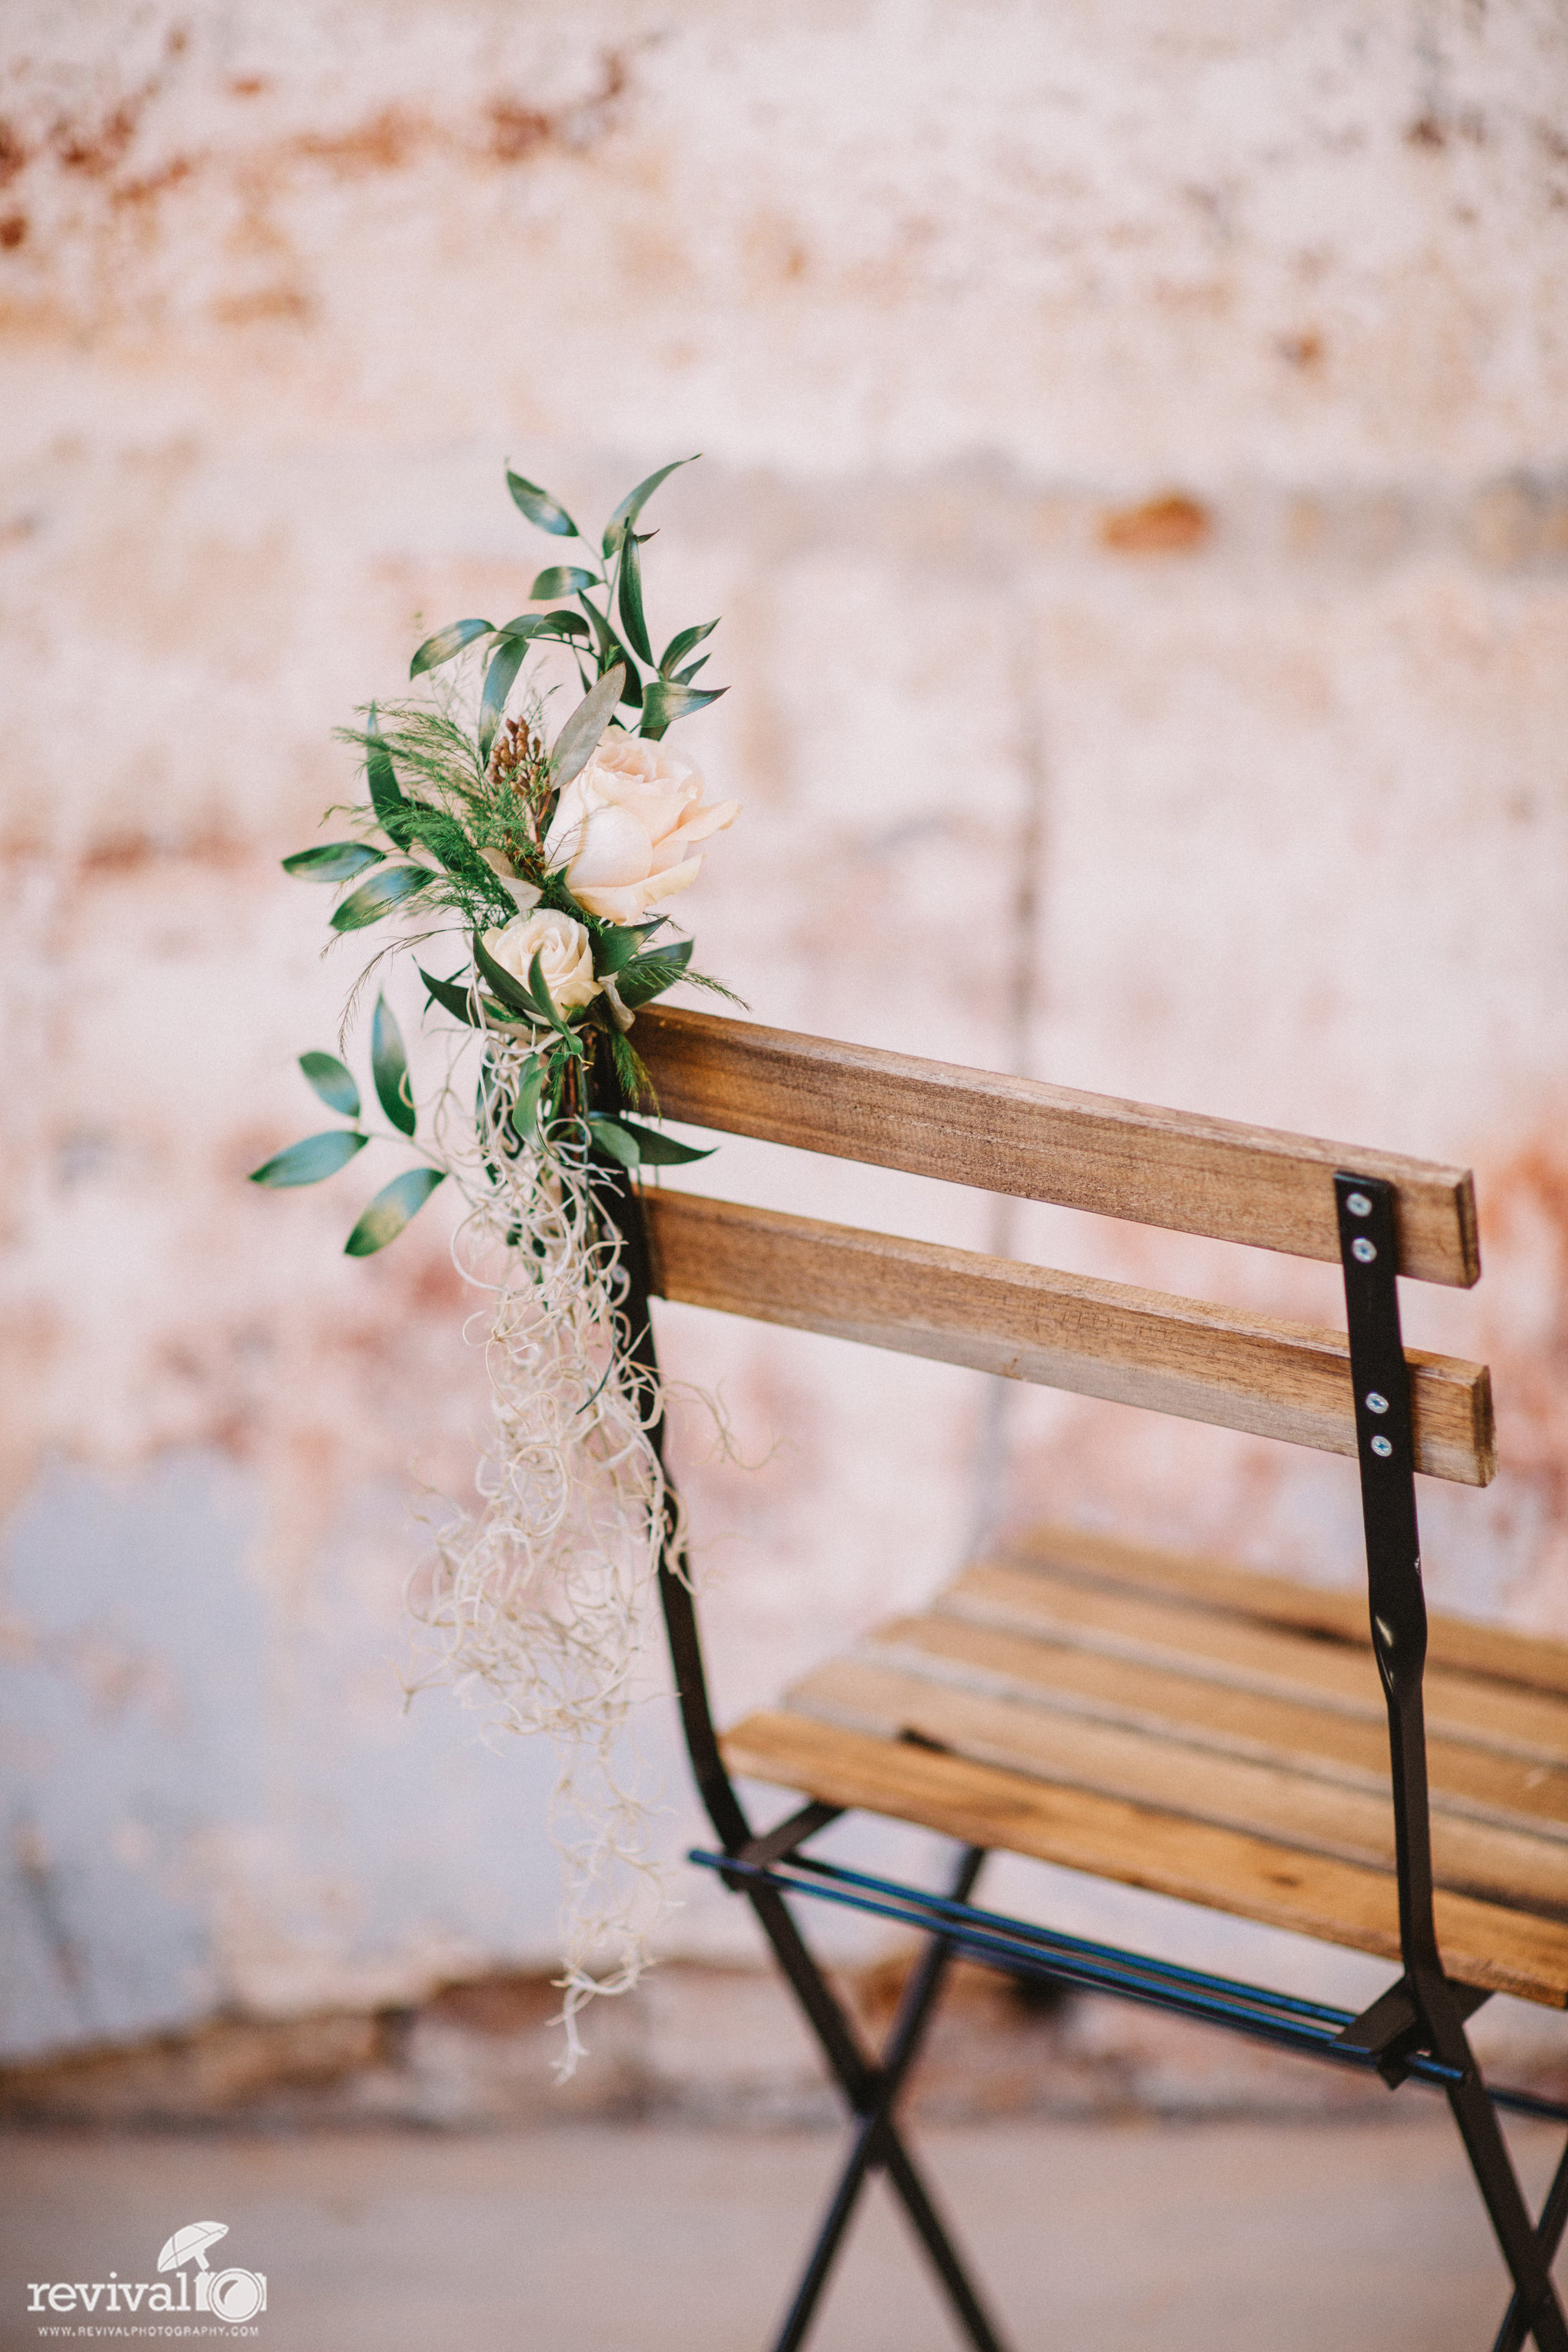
{"x": 872, "y": 2088}
{"x": 1547, "y": 2237}
{"x": 1527, "y": 2247}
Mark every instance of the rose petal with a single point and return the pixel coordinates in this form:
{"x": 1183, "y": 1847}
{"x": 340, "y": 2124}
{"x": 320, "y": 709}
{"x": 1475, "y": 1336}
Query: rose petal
{"x": 674, "y": 879}
{"x": 613, "y": 847}
{"x": 623, "y": 905}
{"x": 564, "y": 951}
{"x": 700, "y": 826}
{"x": 634, "y": 899}
{"x": 655, "y": 806}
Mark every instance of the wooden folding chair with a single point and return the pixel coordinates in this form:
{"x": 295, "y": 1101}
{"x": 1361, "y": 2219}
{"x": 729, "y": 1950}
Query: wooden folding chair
{"x": 1211, "y": 1734}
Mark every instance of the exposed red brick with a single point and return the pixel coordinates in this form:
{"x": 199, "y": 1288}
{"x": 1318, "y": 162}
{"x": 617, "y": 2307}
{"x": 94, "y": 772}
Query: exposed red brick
{"x": 516, "y": 131}
{"x": 1171, "y": 525}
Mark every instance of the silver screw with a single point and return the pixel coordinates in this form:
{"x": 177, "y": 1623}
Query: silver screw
{"x": 1375, "y": 1402}
{"x": 1382, "y": 1447}
{"x": 1364, "y": 1251}
{"x": 1358, "y": 1204}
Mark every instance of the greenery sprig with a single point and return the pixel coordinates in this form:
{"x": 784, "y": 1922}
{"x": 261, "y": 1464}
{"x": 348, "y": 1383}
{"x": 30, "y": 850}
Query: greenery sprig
{"x": 457, "y": 830}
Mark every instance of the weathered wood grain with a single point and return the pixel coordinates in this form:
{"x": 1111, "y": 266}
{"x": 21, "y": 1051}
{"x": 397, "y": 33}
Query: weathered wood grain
{"x": 875, "y": 1692}
{"x": 1239, "y": 1654}
{"x": 1532, "y": 1661}
{"x": 1180, "y": 1356}
{"x": 1126, "y": 1159}
{"x": 1470, "y": 1778}
{"x": 1227, "y": 1870}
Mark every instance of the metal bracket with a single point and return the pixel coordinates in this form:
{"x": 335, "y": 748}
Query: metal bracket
{"x": 779, "y": 1843}
{"x": 1369, "y": 1248}
{"x": 1392, "y": 2032}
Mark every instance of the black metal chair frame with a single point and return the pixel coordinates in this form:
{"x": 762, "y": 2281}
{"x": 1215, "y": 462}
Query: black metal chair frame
{"x": 1415, "y": 2031}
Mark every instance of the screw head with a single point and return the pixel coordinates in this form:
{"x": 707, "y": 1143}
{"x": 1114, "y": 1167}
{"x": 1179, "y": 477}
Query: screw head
{"x": 1382, "y": 1447}
{"x": 1364, "y": 1251}
{"x": 1358, "y": 1204}
{"x": 1376, "y": 1403}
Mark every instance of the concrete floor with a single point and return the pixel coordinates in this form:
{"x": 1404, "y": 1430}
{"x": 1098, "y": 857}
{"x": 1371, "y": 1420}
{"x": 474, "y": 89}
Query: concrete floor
{"x": 599, "y": 2239}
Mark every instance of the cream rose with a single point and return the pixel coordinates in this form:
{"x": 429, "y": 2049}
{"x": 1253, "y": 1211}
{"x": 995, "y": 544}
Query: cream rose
{"x": 625, "y": 828}
{"x": 565, "y": 951}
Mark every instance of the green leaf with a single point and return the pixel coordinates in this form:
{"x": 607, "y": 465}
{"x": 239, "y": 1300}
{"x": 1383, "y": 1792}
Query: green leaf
{"x": 333, "y": 861}
{"x": 379, "y": 896}
{"x": 307, "y": 1162}
{"x": 451, "y": 997}
{"x": 632, "y": 505}
{"x": 525, "y": 1109}
{"x": 391, "y": 1210}
{"x": 611, "y": 652}
{"x": 512, "y": 992}
{"x": 613, "y": 1137}
{"x": 569, "y": 627}
{"x": 631, "y": 1073}
{"x": 332, "y": 1082}
{"x": 541, "y": 507}
{"x": 579, "y": 739}
{"x": 385, "y": 797}
{"x": 614, "y": 949}
{"x": 562, "y": 580}
{"x": 630, "y": 598}
{"x": 659, "y": 1151}
{"x": 389, "y": 1068}
{"x": 650, "y": 975}
{"x": 539, "y": 989}
{"x": 510, "y": 654}
{"x": 681, "y": 645}
{"x": 446, "y": 839}
{"x": 663, "y": 703}
{"x": 684, "y": 676}
{"x": 444, "y": 643}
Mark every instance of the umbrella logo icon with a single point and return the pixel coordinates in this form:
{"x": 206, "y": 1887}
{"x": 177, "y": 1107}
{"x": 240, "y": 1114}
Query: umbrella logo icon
{"x": 236, "y": 2296}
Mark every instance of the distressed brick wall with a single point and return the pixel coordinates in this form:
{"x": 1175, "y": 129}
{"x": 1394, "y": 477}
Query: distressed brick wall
{"x": 1134, "y": 482}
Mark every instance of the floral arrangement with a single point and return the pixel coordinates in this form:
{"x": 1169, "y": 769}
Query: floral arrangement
{"x": 549, "y": 865}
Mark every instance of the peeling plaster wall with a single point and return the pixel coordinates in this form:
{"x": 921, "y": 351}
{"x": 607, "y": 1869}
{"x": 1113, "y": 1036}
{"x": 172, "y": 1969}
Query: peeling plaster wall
{"x": 1135, "y": 485}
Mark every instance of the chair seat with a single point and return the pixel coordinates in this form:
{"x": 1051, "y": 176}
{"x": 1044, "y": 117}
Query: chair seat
{"x": 1207, "y": 1733}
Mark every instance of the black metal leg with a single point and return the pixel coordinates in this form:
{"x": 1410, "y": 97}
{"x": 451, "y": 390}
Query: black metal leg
{"x": 1547, "y": 2237}
{"x": 871, "y": 2089}
{"x": 1369, "y": 1254}
{"x": 1522, "y": 2246}
{"x": 874, "y": 2144}
{"x": 933, "y": 2235}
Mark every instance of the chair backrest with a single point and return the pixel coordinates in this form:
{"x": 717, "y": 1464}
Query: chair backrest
{"x": 1171, "y": 1169}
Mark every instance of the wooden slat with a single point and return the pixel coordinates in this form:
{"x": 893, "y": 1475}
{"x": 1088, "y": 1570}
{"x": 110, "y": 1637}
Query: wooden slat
{"x": 1295, "y": 1808}
{"x": 1225, "y": 1870}
{"x": 1532, "y": 1661}
{"x": 1471, "y": 1781}
{"x": 1180, "y": 1356}
{"x": 1042, "y": 1142}
{"x": 1530, "y": 1725}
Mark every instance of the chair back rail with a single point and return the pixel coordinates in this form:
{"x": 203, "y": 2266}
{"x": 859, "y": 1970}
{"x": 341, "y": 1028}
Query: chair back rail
{"x": 1180, "y": 1356}
{"x": 1166, "y": 1168}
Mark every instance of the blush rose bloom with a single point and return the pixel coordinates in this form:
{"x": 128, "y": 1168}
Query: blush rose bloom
{"x": 565, "y": 951}
{"x": 625, "y": 828}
